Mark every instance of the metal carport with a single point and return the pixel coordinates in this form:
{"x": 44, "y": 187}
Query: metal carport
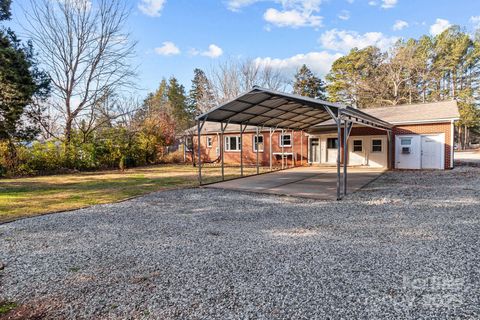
{"x": 265, "y": 108}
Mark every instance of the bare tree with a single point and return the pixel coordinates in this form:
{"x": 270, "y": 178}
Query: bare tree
{"x": 86, "y": 51}
{"x": 232, "y": 77}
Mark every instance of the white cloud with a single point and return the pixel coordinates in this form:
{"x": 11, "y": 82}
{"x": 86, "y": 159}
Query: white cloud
{"x": 292, "y": 13}
{"x": 319, "y": 62}
{"x": 399, "y": 25}
{"x": 291, "y": 18}
{"x": 343, "y": 40}
{"x": 475, "y": 20}
{"x": 439, "y": 26}
{"x": 344, "y": 15}
{"x": 168, "y": 48}
{"x": 213, "y": 51}
{"x": 236, "y": 5}
{"x": 151, "y": 8}
{"x": 387, "y": 4}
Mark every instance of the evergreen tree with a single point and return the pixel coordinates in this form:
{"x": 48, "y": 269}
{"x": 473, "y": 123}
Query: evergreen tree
{"x": 181, "y": 111}
{"x": 308, "y": 85}
{"x": 5, "y": 9}
{"x": 354, "y": 79}
{"x": 201, "y": 97}
{"x": 21, "y": 82}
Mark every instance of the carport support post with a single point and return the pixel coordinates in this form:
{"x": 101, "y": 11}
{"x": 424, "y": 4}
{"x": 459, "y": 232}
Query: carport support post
{"x": 270, "y": 143}
{"x": 301, "y": 148}
{"x": 345, "y": 149}
{"x": 256, "y": 148}
{"x": 390, "y": 148}
{"x": 293, "y": 150}
{"x": 222, "y": 142}
{"x": 199, "y": 155}
{"x": 339, "y": 134}
{"x": 241, "y": 151}
{"x": 283, "y": 148}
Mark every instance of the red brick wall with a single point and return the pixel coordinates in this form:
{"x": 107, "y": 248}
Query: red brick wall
{"x": 445, "y": 128}
{"x": 249, "y": 155}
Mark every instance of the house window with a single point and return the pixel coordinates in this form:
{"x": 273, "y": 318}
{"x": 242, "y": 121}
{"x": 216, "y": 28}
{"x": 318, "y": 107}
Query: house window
{"x": 258, "y": 140}
{"x": 357, "y": 145}
{"x": 332, "y": 143}
{"x": 376, "y": 145}
{"x": 188, "y": 144}
{"x": 405, "y": 141}
{"x": 232, "y": 143}
{"x": 209, "y": 142}
{"x": 285, "y": 140}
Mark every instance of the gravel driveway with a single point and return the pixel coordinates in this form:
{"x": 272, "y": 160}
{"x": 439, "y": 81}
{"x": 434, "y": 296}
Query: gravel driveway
{"x": 406, "y": 246}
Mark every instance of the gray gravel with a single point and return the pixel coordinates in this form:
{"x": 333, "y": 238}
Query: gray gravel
{"x": 406, "y": 246}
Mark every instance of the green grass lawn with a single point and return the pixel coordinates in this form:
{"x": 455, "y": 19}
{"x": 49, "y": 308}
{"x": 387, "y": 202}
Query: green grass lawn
{"x": 25, "y": 197}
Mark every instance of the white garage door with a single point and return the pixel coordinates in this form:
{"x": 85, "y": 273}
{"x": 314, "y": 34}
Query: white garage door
{"x": 432, "y": 151}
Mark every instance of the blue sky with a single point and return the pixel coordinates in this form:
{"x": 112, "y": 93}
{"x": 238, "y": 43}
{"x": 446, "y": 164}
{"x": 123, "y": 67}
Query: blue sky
{"x": 176, "y": 36}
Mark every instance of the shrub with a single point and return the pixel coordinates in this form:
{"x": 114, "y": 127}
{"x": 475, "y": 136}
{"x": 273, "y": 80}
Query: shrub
{"x": 173, "y": 157}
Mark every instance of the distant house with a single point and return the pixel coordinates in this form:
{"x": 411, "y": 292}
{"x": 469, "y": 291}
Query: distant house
{"x": 422, "y": 138}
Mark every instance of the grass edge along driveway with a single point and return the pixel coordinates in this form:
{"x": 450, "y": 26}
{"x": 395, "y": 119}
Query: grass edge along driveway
{"x": 32, "y": 196}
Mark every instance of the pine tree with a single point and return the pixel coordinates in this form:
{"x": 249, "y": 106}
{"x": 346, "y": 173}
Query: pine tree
{"x": 20, "y": 83}
{"x": 308, "y": 85}
{"x": 181, "y": 112}
{"x": 201, "y": 97}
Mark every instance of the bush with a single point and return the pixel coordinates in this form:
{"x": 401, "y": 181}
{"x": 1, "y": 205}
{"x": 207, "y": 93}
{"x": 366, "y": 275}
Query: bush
{"x": 43, "y": 157}
{"x": 173, "y": 157}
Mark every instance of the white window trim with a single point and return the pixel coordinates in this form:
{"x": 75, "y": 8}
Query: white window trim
{"x": 209, "y": 139}
{"x": 381, "y": 146}
{"x": 280, "y": 142}
{"x": 225, "y": 144}
{"x": 254, "y": 144}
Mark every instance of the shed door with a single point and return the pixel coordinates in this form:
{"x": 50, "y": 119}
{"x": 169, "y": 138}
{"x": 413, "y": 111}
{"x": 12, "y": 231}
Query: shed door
{"x": 407, "y": 153}
{"x": 357, "y": 151}
{"x": 432, "y": 151}
{"x": 332, "y": 150}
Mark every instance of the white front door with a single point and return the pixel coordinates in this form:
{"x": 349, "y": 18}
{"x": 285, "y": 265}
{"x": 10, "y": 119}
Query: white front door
{"x": 432, "y": 154}
{"x": 357, "y": 151}
{"x": 332, "y": 150}
{"x": 314, "y": 150}
{"x": 378, "y": 152}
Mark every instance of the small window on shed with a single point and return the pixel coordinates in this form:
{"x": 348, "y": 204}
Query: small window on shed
{"x": 405, "y": 141}
{"x": 332, "y": 143}
{"x": 376, "y": 145}
{"x": 357, "y": 145}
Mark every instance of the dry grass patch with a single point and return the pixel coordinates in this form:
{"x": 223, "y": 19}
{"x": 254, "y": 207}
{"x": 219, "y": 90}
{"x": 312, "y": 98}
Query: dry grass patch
{"x": 24, "y": 197}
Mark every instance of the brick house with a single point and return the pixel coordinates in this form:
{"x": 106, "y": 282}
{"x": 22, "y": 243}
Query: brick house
{"x": 422, "y": 138}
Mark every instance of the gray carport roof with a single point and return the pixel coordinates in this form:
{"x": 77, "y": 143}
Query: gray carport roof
{"x": 268, "y": 108}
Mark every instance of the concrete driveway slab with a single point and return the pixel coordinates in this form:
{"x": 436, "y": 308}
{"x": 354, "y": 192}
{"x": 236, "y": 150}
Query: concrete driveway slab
{"x": 308, "y": 182}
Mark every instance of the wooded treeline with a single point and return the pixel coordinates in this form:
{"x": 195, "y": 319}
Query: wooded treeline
{"x": 66, "y": 102}
{"x": 428, "y": 69}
